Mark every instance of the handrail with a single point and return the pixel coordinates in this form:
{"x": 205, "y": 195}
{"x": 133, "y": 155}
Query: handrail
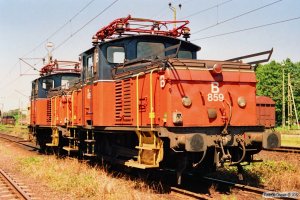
{"x": 55, "y": 109}
{"x": 51, "y": 111}
{"x": 268, "y": 53}
{"x": 137, "y": 100}
{"x": 151, "y": 113}
{"x": 72, "y": 110}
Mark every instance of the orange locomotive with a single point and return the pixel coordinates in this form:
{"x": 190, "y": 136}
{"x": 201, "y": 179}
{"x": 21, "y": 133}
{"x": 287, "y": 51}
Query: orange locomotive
{"x": 145, "y": 101}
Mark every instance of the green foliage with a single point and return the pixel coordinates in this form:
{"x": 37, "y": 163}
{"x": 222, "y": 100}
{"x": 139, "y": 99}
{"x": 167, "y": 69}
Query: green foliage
{"x": 271, "y": 166}
{"x": 28, "y": 161}
{"x": 269, "y": 84}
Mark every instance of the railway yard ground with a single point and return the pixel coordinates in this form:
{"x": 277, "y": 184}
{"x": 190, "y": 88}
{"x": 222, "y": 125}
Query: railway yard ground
{"x": 49, "y": 177}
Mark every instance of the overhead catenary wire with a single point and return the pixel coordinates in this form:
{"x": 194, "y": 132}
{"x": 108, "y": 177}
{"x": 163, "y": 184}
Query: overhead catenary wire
{"x": 164, "y": 8}
{"x": 82, "y": 27}
{"x": 64, "y": 41}
{"x": 247, "y": 29}
{"x": 59, "y": 29}
{"x": 50, "y": 36}
{"x": 10, "y": 83}
{"x": 237, "y": 16}
{"x": 206, "y": 9}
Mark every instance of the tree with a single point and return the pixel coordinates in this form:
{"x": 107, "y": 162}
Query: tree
{"x": 269, "y": 84}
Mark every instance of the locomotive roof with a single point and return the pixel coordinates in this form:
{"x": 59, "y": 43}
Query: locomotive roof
{"x": 57, "y": 74}
{"x": 56, "y": 67}
{"x": 264, "y": 100}
{"x": 195, "y": 47}
{"x": 154, "y": 38}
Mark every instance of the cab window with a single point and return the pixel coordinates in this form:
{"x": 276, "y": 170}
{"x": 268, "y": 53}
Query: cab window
{"x": 34, "y": 88}
{"x": 115, "y": 54}
{"x": 149, "y": 49}
{"x": 89, "y": 70}
{"x": 185, "y": 54}
{"x": 67, "y": 81}
{"x": 47, "y": 84}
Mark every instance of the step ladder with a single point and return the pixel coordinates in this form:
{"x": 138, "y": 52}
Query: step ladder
{"x": 150, "y": 151}
{"x": 90, "y": 144}
{"x": 55, "y": 138}
{"x": 73, "y": 142}
{"x": 55, "y": 141}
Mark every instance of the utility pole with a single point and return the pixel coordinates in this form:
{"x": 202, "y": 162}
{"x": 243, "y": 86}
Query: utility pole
{"x": 20, "y": 113}
{"x": 290, "y": 110}
{"x": 291, "y": 104}
{"x": 294, "y": 104}
{"x": 283, "y": 100}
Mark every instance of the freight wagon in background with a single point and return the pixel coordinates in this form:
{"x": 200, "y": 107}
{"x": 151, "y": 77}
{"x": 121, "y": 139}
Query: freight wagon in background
{"x": 8, "y": 120}
{"x": 265, "y": 110}
{"x": 143, "y": 100}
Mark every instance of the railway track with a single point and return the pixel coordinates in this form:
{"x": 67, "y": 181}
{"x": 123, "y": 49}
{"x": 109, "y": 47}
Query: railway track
{"x": 252, "y": 190}
{"x": 181, "y": 192}
{"x": 187, "y": 194}
{"x": 10, "y": 189}
{"x": 237, "y": 185}
{"x": 285, "y": 149}
{"x": 18, "y": 140}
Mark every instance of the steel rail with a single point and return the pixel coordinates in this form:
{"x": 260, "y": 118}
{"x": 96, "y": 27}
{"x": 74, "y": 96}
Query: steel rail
{"x": 237, "y": 185}
{"x": 189, "y": 193}
{"x": 244, "y": 187}
{"x": 16, "y": 187}
{"x": 285, "y": 149}
{"x": 20, "y": 141}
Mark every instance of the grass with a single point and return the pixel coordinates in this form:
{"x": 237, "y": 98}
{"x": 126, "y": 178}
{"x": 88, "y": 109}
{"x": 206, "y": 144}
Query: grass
{"x": 81, "y": 181}
{"x": 277, "y": 175}
{"x": 17, "y": 130}
{"x": 290, "y": 140}
{"x": 229, "y": 197}
{"x": 64, "y": 175}
{"x": 289, "y": 137}
{"x": 74, "y": 179}
{"x": 274, "y": 173}
{"x": 288, "y": 130}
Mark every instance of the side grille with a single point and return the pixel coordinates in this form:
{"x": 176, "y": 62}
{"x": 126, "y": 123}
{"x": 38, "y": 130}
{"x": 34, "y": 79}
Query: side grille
{"x": 48, "y": 111}
{"x": 123, "y": 102}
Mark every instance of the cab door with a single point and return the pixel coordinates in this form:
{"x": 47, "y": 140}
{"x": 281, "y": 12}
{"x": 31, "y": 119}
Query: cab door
{"x": 87, "y": 90}
{"x": 90, "y": 75}
{"x": 34, "y": 92}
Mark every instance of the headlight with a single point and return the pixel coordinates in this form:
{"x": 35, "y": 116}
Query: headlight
{"x": 242, "y": 102}
{"x": 186, "y": 101}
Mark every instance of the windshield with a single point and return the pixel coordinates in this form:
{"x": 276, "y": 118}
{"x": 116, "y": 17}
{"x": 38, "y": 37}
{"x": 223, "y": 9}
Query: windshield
{"x": 148, "y": 49}
{"x": 67, "y": 81}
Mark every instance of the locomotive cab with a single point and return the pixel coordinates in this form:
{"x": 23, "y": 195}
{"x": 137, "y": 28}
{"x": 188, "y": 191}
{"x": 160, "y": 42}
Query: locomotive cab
{"x": 45, "y": 84}
{"x": 99, "y": 61}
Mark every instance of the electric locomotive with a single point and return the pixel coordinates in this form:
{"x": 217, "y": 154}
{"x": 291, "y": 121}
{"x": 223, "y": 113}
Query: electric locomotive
{"x": 55, "y": 77}
{"x": 145, "y": 101}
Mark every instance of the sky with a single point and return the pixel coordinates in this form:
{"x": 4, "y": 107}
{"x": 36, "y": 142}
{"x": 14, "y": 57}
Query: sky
{"x": 27, "y": 25}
